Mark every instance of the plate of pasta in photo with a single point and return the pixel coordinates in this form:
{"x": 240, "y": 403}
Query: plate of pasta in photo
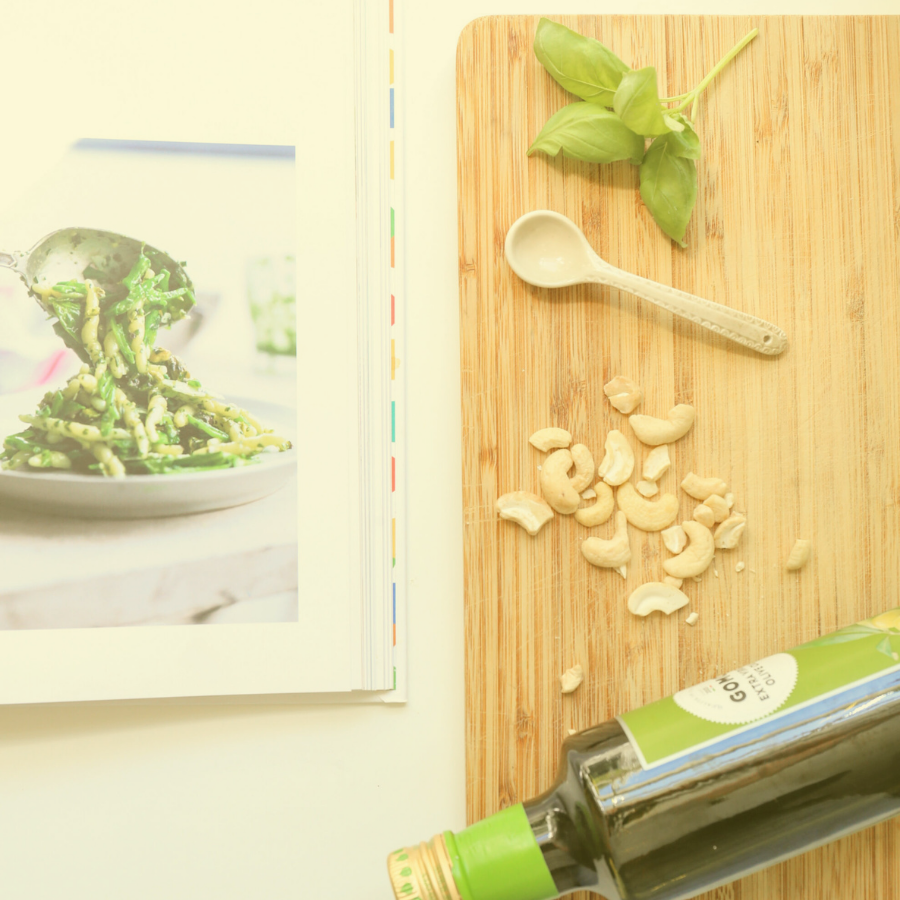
{"x": 132, "y": 433}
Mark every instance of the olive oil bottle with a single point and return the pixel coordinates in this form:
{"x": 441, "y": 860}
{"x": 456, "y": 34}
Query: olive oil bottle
{"x": 696, "y": 790}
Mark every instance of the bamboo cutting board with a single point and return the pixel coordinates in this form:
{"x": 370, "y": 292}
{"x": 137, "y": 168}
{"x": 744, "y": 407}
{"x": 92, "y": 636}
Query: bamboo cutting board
{"x": 797, "y": 221}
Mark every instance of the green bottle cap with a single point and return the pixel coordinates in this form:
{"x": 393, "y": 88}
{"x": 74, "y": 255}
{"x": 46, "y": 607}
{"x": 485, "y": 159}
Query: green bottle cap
{"x": 497, "y": 858}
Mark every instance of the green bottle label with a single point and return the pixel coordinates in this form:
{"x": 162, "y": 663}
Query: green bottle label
{"x": 701, "y": 716}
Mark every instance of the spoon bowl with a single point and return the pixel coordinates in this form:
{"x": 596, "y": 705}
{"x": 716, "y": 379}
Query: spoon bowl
{"x": 66, "y": 253}
{"x": 548, "y": 250}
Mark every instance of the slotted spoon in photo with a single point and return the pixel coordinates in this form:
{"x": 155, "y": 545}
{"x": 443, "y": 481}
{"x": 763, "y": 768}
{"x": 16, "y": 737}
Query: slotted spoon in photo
{"x": 66, "y": 253}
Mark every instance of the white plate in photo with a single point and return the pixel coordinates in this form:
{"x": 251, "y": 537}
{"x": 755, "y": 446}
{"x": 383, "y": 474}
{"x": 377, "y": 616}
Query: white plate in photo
{"x": 146, "y": 496}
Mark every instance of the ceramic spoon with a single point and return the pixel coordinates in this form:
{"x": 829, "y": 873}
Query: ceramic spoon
{"x": 548, "y": 250}
{"x": 66, "y": 253}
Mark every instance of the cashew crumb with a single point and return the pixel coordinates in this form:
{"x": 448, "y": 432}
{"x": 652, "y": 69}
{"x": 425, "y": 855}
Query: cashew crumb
{"x": 570, "y": 679}
{"x": 623, "y": 394}
{"x": 550, "y": 438}
{"x": 739, "y": 567}
{"x": 648, "y": 488}
{"x": 799, "y": 555}
{"x": 692, "y": 619}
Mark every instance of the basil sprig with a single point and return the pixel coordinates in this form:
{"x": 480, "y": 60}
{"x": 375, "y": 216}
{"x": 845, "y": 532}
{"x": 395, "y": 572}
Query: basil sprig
{"x": 620, "y": 110}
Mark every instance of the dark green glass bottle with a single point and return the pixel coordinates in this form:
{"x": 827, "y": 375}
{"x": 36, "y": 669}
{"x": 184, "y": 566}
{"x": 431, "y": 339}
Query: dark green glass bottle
{"x": 698, "y": 789}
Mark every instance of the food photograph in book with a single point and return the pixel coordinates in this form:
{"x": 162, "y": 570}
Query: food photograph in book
{"x": 148, "y": 388}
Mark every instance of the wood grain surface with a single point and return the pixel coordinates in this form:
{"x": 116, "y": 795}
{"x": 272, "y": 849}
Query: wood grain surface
{"x": 797, "y": 221}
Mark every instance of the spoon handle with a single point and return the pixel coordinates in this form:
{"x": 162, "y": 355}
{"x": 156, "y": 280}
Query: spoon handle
{"x": 752, "y": 332}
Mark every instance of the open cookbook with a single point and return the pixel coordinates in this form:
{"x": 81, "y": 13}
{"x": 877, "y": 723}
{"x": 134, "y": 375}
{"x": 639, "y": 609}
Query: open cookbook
{"x": 201, "y": 395}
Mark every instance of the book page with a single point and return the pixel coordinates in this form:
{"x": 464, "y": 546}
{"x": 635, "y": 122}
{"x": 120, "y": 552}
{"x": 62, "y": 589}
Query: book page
{"x": 226, "y": 150}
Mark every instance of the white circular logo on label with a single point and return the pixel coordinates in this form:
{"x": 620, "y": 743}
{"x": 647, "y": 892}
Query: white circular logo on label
{"x": 745, "y": 695}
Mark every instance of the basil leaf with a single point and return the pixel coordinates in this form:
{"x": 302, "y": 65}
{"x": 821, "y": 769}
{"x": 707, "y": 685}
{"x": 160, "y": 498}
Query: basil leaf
{"x": 583, "y": 66}
{"x": 637, "y": 102}
{"x": 590, "y": 133}
{"x": 669, "y": 187}
{"x": 685, "y": 143}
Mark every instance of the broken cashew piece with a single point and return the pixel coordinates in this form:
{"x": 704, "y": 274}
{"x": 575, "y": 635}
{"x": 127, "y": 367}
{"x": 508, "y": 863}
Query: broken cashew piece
{"x": 653, "y": 431}
{"x": 550, "y": 438}
{"x": 799, "y": 555}
{"x": 657, "y": 463}
{"x": 623, "y": 394}
{"x": 656, "y": 597}
{"x": 601, "y": 510}
{"x": 525, "y": 509}
{"x": 705, "y": 516}
{"x": 729, "y": 532}
{"x": 696, "y": 557}
{"x": 570, "y": 679}
{"x": 692, "y": 618}
{"x": 701, "y": 488}
{"x": 555, "y": 484}
{"x": 618, "y": 464}
{"x": 584, "y": 467}
{"x": 719, "y": 506}
{"x": 648, "y": 515}
{"x": 675, "y": 582}
{"x": 609, "y": 554}
{"x": 675, "y": 539}
{"x": 729, "y": 499}
{"x": 589, "y": 494}
{"x": 647, "y": 488}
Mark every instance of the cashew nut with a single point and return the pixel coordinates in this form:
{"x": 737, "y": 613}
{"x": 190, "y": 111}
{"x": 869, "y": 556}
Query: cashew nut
{"x": 696, "y": 557}
{"x": 623, "y": 394}
{"x": 555, "y": 484}
{"x": 675, "y": 539}
{"x": 618, "y": 463}
{"x": 612, "y": 553}
{"x": 719, "y": 506}
{"x": 701, "y": 488}
{"x": 657, "y": 463}
{"x": 584, "y": 467}
{"x": 648, "y": 515}
{"x": 525, "y": 509}
{"x": 729, "y": 532}
{"x": 601, "y": 510}
{"x": 692, "y": 618}
{"x": 653, "y": 431}
{"x": 570, "y": 679}
{"x": 656, "y": 597}
{"x": 549, "y": 438}
{"x": 675, "y": 582}
{"x": 799, "y": 555}
{"x": 647, "y": 488}
{"x": 705, "y": 516}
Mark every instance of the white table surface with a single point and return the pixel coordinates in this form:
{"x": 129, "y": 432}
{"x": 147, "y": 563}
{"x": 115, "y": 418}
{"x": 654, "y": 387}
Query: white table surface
{"x": 233, "y": 802}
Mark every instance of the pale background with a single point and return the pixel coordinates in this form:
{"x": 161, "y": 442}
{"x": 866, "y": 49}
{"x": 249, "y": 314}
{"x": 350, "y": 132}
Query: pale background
{"x": 219, "y": 802}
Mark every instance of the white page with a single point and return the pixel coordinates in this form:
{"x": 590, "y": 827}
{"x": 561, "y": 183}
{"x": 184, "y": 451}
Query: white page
{"x": 191, "y": 72}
